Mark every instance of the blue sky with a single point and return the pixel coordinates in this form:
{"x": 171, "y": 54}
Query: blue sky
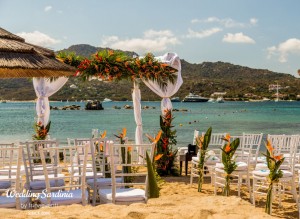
{"x": 255, "y": 33}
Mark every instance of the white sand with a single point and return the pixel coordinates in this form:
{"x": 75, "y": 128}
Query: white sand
{"x": 178, "y": 200}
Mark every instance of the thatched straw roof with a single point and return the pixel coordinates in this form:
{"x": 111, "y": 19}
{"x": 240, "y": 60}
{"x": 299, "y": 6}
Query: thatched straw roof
{"x": 19, "y": 59}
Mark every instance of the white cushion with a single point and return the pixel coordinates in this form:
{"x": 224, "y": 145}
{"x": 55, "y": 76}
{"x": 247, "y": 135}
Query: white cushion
{"x": 261, "y": 166}
{"x": 102, "y": 181}
{"x": 5, "y": 184}
{"x": 261, "y": 159}
{"x": 64, "y": 197}
{"x": 89, "y": 175}
{"x": 240, "y": 166}
{"x": 10, "y": 202}
{"x": 212, "y": 160}
{"x": 41, "y": 184}
{"x": 209, "y": 161}
{"x": 3, "y": 177}
{"x": 124, "y": 195}
{"x": 42, "y": 177}
{"x": 263, "y": 173}
{"x": 182, "y": 150}
{"x": 297, "y": 166}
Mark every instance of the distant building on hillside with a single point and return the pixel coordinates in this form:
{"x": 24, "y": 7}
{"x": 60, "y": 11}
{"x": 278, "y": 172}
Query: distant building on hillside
{"x": 274, "y": 87}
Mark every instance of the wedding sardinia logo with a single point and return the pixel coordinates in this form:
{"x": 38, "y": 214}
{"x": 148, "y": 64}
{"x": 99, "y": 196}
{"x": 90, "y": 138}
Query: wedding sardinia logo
{"x": 44, "y": 195}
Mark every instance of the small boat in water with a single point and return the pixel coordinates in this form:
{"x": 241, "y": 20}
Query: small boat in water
{"x": 106, "y": 100}
{"x": 175, "y": 99}
{"x": 194, "y": 98}
{"x": 220, "y": 100}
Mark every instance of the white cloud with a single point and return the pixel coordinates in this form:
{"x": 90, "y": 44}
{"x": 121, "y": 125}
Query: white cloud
{"x": 47, "y": 8}
{"x": 226, "y": 22}
{"x": 290, "y": 46}
{"x": 38, "y": 38}
{"x": 253, "y": 21}
{"x": 203, "y": 33}
{"x": 237, "y": 38}
{"x": 154, "y": 41}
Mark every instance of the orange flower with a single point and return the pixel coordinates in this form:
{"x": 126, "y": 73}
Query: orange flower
{"x": 158, "y": 136}
{"x": 101, "y": 146}
{"x": 103, "y": 134}
{"x": 279, "y": 157}
{"x": 150, "y": 138}
{"x": 123, "y": 134}
{"x": 227, "y": 137}
{"x": 44, "y": 131}
{"x": 227, "y": 148}
{"x": 269, "y": 147}
{"x": 129, "y": 149}
{"x": 199, "y": 141}
{"x": 157, "y": 157}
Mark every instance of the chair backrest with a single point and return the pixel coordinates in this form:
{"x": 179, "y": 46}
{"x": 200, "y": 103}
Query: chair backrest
{"x": 285, "y": 145}
{"x": 32, "y": 159}
{"x": 126, "y": 157}
{"x": 252, "y": 143}
{"x": 100, "y": 166}
{"x": 73, "y": 184}
{"x": 11, "y": 160}
{"x": 196, "y": 134}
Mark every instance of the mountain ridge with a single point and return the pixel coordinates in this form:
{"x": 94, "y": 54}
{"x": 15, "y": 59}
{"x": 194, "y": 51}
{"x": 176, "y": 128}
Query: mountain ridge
{"x": 239, "y": 82}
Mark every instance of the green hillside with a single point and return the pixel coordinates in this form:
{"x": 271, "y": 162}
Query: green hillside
{"x": 238, "y": 82}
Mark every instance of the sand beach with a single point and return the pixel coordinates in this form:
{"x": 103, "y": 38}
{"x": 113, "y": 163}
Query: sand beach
{"x": 178, "y": 200}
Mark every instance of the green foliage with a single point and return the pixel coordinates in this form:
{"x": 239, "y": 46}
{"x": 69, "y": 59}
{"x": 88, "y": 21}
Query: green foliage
{"x": 203, "y": 143}
{"x": 153, "y": 189}
{"x": 165, "y": 158}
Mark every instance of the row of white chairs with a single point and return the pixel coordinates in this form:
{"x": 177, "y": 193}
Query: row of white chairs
{"x": 88, "y": 173}
{"x": 251, "y": 166}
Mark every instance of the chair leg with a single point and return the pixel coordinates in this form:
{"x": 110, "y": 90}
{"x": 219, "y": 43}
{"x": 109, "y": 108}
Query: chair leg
{"x": 253, "y": 191}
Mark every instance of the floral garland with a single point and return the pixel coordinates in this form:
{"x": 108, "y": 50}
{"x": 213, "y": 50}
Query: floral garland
{"x": 111, "y": 65}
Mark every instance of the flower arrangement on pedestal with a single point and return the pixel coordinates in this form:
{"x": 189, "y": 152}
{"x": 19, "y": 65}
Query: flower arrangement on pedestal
{"x": 126, "y": 169}
{"x": 228, "y": 151}
{"x": 165, "y": 155}
{"x": 202, "y": 142}
{"x": 41, "y": 131}
{"x": 274, "y": 162}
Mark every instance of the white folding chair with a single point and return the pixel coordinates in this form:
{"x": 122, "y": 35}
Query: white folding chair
{"x": 242, "y": 157}
{"x": 213, "y": 156}
{"x": 73, "y": 192}
{"x": 282, "y": 144}
{"x": 11, "y": 183}
{"x": 127, "y": 156}
{"x": 101, "y": 169}
{"x": 35, "y": 178}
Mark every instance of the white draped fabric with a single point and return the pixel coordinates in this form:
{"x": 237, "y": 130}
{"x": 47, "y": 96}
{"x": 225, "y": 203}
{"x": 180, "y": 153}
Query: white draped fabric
{"x": 136, "y": 99}
{"x": 44, "y": 88}
{"x": 173, "y": 60}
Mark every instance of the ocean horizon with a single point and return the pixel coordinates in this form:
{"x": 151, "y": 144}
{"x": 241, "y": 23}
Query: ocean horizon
{"x": 17, "y": 119}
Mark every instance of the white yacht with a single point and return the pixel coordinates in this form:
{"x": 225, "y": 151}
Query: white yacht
{"x": 106, "y": 100}
{"x": 194, "y": 98}
{"x": 220, "y": 100}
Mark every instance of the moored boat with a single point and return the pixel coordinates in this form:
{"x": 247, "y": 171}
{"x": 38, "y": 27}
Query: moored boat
{"x": 175, "y": 99}
{"x": 194, "y": 98}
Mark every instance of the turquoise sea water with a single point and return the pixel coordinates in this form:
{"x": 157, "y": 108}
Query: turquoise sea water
{"x": 17, "y": 119}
